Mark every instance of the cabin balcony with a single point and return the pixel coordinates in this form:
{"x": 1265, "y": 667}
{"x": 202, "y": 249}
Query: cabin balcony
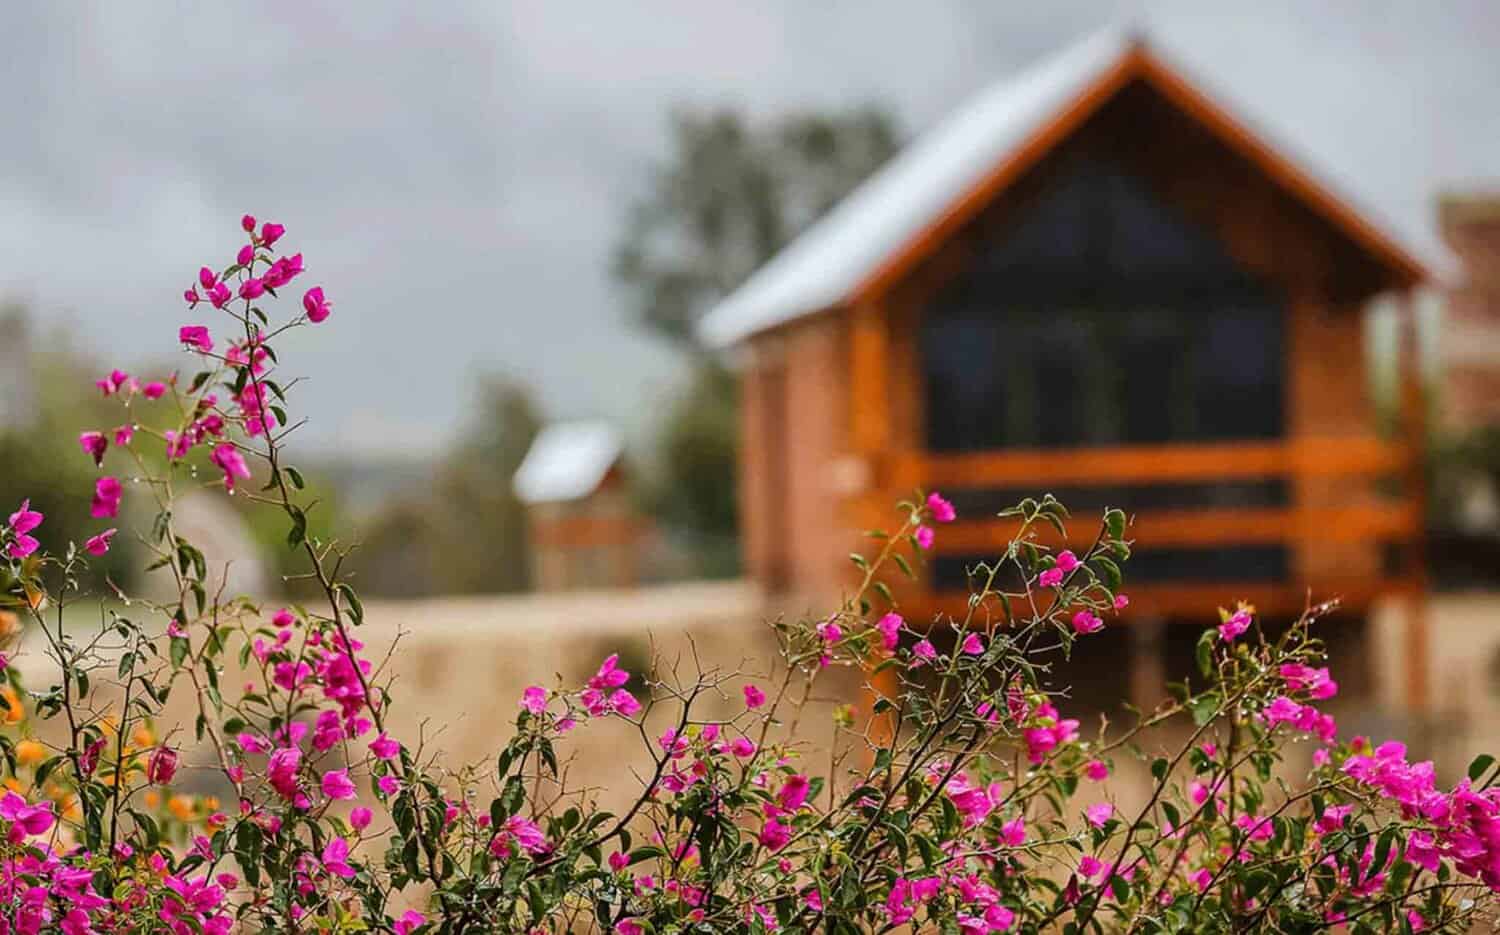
{"x": 1277, "y": 523}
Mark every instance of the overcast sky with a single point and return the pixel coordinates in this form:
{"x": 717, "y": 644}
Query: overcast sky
{"x": 456, "y": 172}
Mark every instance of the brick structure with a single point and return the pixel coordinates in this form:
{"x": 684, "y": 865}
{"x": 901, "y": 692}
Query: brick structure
{"x": 1471, "y": 334}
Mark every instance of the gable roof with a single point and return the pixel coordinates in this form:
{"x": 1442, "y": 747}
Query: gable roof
{"x": 566, "y": 461}
{"x": 938, "y": 182}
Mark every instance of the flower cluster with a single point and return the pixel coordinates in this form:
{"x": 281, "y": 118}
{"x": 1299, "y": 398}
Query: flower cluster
{"x": 959, "y": 797}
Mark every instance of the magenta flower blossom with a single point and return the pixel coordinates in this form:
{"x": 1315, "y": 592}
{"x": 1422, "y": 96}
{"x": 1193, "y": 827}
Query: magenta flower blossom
{"x": 1121, "y": 601}
{"x": 98, "y": 545}
{"x": 106, "y": 501}
{"x": 161, "y": 766}
{"x": 774, "y": 835}
{"x": 923, "y": 652}
{"x": 389, "y": 785}
{"x": 154, "y": 390}
{"x": 247, "y": 223}
{"x": 206, "y": 277}
{"x": 219, "y": 295}
{"x": 245, "y": 256}
{"x": 942, "y": 511}
{"x": 270, "y": 233}
{"x": 1086, "y": 622}
{"x": 124, "y": 435}
{"x": 610, "y": 675}
{"x": 360, "y": 818}
{"x": 252, "y": 288}
{"x": 410, "y": 921}
{"x": 385, "y": 748}
{"x": 972, "y": 645}
{"x": 94, "y": 444}
{"x": 282, "y": 770}
{"x": 336, "y": 858}
{"x": 925, "y": 536}
{"x": 22, "y": 522}
{"x": 25, "y": 817}
{"x": 337, "y": 784}
{"x": 1099, "y": 813}
{"x": 1097, "y": 770}
{"x": 754, "y": 697}
{"x": 742, "y": 747}
{"x": 1066, "y": 561}
{"x": 1315, "y": 682}
{"x": 534, "y": 699}
{"x": 228, "y": 459}
{"x": 190, "y": 296}
{"x": 196, "y": 336}
{"x": 1235, "y": 626}
{"x": 316, "y": 307}
{"x": 890, "y": 629}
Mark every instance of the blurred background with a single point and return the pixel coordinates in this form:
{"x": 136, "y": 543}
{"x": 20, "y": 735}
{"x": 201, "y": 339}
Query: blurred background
{"x": 521, "y": 211}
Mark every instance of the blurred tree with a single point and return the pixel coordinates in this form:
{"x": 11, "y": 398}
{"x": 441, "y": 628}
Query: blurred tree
{"x": 729, "y": 197}
{"x": 49, "y": 398}
{"x": 467, "y": 533}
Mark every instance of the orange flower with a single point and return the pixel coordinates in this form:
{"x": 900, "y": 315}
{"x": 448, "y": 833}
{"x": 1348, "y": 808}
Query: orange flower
{"x": 30, "y": 752}
{"x": 17, "y": 711}
{"x": 181, "y": 807}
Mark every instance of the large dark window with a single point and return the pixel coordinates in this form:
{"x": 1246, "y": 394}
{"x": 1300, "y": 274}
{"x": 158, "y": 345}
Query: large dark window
{"x": 1100, "y": 317}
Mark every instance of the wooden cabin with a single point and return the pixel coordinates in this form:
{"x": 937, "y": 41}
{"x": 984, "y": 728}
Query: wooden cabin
{"x": 582, "y": 526}
{"x": 1097, "y": 282}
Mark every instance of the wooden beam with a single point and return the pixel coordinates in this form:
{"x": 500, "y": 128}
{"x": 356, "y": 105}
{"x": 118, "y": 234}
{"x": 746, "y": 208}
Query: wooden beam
{"x": 1213, "y": 527}
{"x": 1196, "y": 602}
{"x": 869, "y": 366}
{"x": 1146, "y": 464}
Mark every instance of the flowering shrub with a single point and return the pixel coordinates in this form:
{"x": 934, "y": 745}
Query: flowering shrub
{"x": 963, "y": 800}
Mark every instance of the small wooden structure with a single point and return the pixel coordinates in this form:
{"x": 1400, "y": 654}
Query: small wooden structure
{"x": 1092, "y": 281}
{"x": 583, "y": 529}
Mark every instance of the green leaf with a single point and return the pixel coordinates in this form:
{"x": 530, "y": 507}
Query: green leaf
{"x": 298, "y": 532}
{"x": 1204, "y": 652}
{"x": 295, "y": 476}
{"x": 1159, "y": 768}
{"x": 1203, "y": 708}
{"x": 179, "y": 651}
{"x": 1114, "y": 523}
{"x": 1481, "y": 763}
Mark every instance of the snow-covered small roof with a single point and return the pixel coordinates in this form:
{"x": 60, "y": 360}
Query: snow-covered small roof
{"x": 567, "y": 461}
{"x": 828, "y": 263}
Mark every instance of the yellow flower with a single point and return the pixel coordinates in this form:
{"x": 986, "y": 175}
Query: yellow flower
{"x": 181, "y": 807}
{"x": 142, "y": 736}
{"x": 211, "y": 802}
{"x": 30, "y": 752}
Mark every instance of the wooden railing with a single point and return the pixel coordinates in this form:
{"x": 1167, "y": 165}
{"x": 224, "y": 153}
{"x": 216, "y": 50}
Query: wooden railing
{"x": 1333, "y": 502}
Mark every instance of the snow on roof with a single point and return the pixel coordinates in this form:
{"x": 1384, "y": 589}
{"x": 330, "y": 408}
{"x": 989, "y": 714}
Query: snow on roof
{"x": 567, "y": 461}
{"x": 826, "y": 264}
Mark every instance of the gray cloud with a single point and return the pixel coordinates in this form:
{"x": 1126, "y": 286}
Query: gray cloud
{"x": 455, "y": 172}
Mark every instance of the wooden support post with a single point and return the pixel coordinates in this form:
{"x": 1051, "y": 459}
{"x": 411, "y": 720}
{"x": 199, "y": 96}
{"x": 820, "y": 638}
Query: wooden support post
{"x": 1147, "y": 671}
{"x": 1414, "y": 432}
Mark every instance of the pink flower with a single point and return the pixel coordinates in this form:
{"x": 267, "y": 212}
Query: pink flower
{"x": 107, "y": 494}
{"x": 219, "y": 295}
{"x": 742, "y": 747}
{"x": 154, "y": 390}
{"x": 94, "y": 444}
{"x": 336, "y": 858}
{"x": 29, "y": 819}
{"x": 1050, "y": 578}
{"x": 793, "y": 792}
{"x": 389, "y": 785}
{"x": 246, "y": 255}
{"x": 774, "y": 835}
{"x": 161, "y": 766}
{"x": 25, "y": 519}
{"x": 124, "y": 435}
{"x": 385, "y": 748}
{"x": 1086, "y": 622}
{"x": 610, "y": 675}
{"x": 190, "y": 296}
{"x": 1122, "y": 601}
{"x": 941, "y": 510}
{"x": 270, "y": 233}
{"x": 1236, "y": 625}
{"x": 925, "y": 536}
{"x": 830, "y": 631}
{"x": 754, "y": 697}
{"x": 247, "y": 223}
{"x": 252, "y": 288}
{"x": 1097, "y": 770}
{"x": 618, "y": 861}
{"x": 1066, "y": 561}
{"x": 283, "y": 271}
{"x": 337, "y": 784}
{"x": 98, "y": 545}
{"x": 206, "y": 277}
{"x": 923, "y": 652}
{"x": 1315, "y": 682}
{"x": 410, "y": 921}
{"x": 972, "y": 645}
{"x": 1099, "y": 813}
{"x": 282, "y": 770}
{"x": 196, "y": 336}
{"x": 228, "y": 459}
{"x": 890, "y": 629}
{"x": 1013, "y": 832}
{"x": 316, "y": 307}
{"x": 534, "y": 699}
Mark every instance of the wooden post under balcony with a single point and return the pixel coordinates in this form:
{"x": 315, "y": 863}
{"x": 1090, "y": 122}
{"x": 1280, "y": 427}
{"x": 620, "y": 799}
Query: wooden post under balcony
{"x": 1414, "y": 435}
